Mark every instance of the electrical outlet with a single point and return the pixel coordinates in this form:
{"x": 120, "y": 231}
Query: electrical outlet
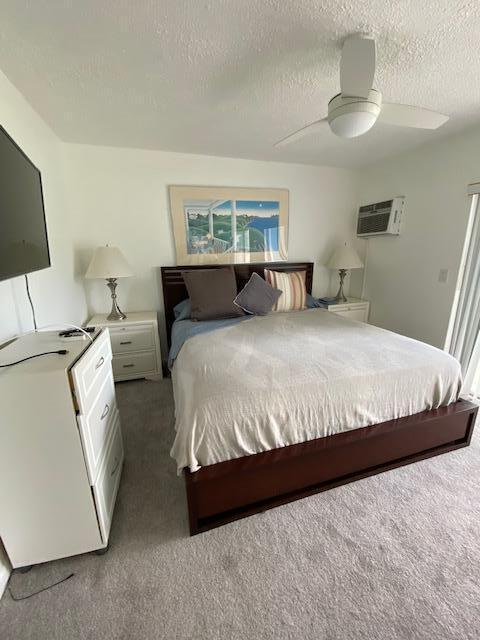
{"x": 443, "y": 276}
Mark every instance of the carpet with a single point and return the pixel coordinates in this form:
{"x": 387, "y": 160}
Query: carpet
{"x": 393, "y": 556}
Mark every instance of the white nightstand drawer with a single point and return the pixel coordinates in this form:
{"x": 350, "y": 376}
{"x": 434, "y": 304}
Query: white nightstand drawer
{"x": 95, "y": 426}
{"x": 352, "y": 308}
{"x": 353, "y": 314}
{"x": 106, "y": 487}
{"x": 134, "y": 339}
{"x": 135, "y": 363}
{"x": 90, "y": 371}
{"x": 135, "y": 344}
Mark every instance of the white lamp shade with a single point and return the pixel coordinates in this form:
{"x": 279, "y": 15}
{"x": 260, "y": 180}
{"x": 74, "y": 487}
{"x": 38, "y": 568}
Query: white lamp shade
{"x": 345, "y": 258}
{"x": 108, "y": 262}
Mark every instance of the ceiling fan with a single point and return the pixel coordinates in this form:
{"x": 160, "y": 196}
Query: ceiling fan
{"x": 355, "y": 110}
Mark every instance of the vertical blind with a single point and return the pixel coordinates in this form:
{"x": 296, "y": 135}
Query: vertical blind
{"x": 465, "y": 341}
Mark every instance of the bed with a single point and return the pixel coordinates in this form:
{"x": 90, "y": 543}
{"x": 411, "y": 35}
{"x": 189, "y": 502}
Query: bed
{"x": 275, "y": 408}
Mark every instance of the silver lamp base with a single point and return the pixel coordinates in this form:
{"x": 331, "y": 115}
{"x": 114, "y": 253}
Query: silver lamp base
{"x": 340, "y": 297}
{"x": 116, "y": 313}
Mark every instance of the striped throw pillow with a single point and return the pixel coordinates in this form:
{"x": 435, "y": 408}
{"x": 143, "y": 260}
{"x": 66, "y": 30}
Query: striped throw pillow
{"x": 294, "y": 296}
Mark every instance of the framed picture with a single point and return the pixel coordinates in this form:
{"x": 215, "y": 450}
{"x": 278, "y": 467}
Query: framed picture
{"x": 229, "y": 224}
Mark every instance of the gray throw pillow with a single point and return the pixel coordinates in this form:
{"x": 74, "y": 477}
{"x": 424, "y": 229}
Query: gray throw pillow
{"x": 257, "y": 296}
{"x": 211, "y": 293}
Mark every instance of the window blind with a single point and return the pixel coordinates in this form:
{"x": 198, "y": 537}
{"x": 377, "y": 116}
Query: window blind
{"x": 465, "y": 343}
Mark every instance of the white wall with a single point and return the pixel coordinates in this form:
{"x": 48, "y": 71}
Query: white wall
{"x": 402, "y": 272}
{"x": 57, "y": 296}
{"x": 55, "y": 293}
{"x": 120, "y": 197}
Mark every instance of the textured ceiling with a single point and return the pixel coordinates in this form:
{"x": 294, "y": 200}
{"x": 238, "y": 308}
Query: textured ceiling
{"x": 230, "y": 77}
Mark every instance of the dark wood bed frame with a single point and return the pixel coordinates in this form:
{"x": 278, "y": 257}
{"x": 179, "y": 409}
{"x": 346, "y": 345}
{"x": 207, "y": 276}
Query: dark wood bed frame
{"x": 227, "y": 491}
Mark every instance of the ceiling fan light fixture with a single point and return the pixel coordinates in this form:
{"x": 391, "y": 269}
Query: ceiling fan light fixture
{"x": 353, "y": 124}
{"x": 352, "y": 117}
{"x": 354, "y": 111}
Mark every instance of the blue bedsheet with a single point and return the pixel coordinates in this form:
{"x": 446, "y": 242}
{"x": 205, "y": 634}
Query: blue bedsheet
{"x": 184, "y": 329}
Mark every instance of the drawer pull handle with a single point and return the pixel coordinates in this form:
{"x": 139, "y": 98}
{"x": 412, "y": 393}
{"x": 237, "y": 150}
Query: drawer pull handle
{"x": 126, "y": 342}
{"x": 105, "y": 411}
{"x": 100, "y": 362}
{"x": 114, "y": 470}
{"x": 125, "y": 366}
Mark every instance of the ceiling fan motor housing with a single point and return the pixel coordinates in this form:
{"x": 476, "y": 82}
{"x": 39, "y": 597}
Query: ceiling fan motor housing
{"x": 352, "y": 116}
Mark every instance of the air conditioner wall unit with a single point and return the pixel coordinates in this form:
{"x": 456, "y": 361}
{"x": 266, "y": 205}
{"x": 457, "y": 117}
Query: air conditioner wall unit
{"x": 381, "y": 218}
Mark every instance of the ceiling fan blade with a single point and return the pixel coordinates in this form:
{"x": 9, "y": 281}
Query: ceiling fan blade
{"x": 404, "y": 115}
{"x": 313, "y": 127}
{"x": 357, "y": 66}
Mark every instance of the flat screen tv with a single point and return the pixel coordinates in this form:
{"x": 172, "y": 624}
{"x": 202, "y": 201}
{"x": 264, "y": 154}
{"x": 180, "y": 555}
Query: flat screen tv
{"x": 23, "y": 230}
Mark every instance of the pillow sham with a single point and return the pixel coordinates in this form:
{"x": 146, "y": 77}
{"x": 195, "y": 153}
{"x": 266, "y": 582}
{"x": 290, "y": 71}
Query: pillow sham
{"x": 292, "y": 284}
{"x": 211, "y": 293}
{"x": 257, "y": 296}
{"x": 183, "y": 310}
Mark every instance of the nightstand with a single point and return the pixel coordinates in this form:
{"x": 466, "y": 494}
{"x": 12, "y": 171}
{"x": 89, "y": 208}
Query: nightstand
{"x": 354, "y": 308}
{"x": 135, "y": 345}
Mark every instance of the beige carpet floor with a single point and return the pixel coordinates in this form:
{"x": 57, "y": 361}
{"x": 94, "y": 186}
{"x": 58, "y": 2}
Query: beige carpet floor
{"x": 396, "y": 556}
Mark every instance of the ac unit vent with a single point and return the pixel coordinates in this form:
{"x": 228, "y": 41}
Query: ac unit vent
{"x": 381, "y": 218}
{"x": 373, "y": 224}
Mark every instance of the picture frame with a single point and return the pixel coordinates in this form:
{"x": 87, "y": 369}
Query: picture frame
{"x": 229, "y": 225}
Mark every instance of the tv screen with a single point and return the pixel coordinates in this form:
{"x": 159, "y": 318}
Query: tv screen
{"x": 23, "y": 231}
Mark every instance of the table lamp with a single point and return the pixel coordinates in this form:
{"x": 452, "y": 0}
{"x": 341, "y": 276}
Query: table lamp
{"x": 109, "y": 263}
{"x": 343, "y": 259}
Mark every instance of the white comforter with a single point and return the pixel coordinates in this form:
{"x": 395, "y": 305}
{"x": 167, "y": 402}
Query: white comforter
{"x": 291, "y": 377}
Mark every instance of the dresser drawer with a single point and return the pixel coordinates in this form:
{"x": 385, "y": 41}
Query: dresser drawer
{"x": 133, "y": 339}
{"x": 90, "y": 371}
{"x": 95, "y": 426}
{"x": 133, "y": 364}
{"x": 106, "y": 487}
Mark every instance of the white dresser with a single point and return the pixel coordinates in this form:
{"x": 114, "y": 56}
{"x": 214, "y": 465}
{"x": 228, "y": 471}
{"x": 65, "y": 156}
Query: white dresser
{"x": 354, "y": 308}
{"x": 61, "y": 450}
{"x": 135, "y": 345}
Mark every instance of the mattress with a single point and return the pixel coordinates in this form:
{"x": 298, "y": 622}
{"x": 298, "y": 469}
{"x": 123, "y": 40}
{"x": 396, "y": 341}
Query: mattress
{"x": 287, "y": 378}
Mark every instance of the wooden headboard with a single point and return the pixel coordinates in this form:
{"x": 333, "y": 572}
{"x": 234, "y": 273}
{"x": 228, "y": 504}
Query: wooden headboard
{"x": 174, "y": 289}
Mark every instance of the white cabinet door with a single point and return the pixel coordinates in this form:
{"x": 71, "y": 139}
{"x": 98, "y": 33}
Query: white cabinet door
{"x": 106, "y": 487}
{"x": 95, "y": 426}
{"x": 91, "y": 369}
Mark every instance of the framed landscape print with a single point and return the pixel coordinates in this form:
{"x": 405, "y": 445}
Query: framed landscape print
{"x": 229, "y": 224}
